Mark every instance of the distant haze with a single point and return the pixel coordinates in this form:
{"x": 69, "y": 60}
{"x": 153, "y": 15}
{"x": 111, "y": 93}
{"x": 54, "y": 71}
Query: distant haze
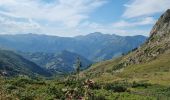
{"x": 95, "y": 46}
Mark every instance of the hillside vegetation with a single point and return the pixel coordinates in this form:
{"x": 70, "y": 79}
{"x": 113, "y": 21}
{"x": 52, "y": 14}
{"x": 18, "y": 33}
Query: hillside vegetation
{"x": 58, "y": 63}
{"x": 152, "y": 59}
{"x": 148, "y": 66}
{"x": 142, "y": 74}
{"x": 12, "y": 64}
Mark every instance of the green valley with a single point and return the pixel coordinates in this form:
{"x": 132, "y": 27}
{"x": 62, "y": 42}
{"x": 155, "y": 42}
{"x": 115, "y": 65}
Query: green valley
{"x": 92, "y": 67}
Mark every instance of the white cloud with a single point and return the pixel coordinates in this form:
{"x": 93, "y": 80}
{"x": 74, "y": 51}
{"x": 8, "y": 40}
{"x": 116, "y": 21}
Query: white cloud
{"x": 122, "y": 28}
{"x": 136, "y": 23}
{"x": 138, "y": 8}
{"x": 70, "y": 17}
{"x": 68, "y": 12}
{"x": 53, "y": 17}
{"x": 14, "y": 25}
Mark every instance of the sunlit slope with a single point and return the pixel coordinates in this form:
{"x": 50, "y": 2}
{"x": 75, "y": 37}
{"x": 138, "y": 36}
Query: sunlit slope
{"x": 156, "y": 71}
{"x": 149, "y": 63}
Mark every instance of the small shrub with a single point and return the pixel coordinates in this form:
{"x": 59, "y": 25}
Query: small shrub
{"x": 99, "y": 97}
{"x": 118, "y": 66}
{"x": 96, "y": 86}
{"x": 21, "y": 82}
{"x": 140, "y": 84}
{"x": 115, "y": 87}
{"x": 10, "y": 87}
{"x": 55, "y": 92}
{"x": 26, "y": 95}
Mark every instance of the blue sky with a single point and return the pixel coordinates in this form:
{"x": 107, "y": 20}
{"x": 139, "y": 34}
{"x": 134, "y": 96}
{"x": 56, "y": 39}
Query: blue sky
{"x": 80, "y": 17}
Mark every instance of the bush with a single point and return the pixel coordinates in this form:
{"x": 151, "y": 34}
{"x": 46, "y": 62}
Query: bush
{"x": 118, "y": 66}
{"x": 27, "y": 95}
{"x": 166, "y": 91}
{"x": 140, "y": 84}
{"x": 96, "y": 86}
{"x": 54, "y": 91}
{"x": 99, "y": 97}
{"x": 9, "y": 88}
{"x": 115, "y": 87}
{"x": 21, "y": 82}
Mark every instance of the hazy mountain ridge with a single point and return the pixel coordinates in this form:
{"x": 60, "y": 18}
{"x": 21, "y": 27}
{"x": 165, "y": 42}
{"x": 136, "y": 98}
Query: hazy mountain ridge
{"x": 62, "y": 62}
{"x": 95, "y": 46}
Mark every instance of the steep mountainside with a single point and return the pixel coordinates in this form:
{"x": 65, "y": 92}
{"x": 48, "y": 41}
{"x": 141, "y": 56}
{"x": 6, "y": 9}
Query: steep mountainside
{"x": 95, "y": 46}
{"x": 158, "y": 43}
{"x": 62, "y": 62}
{"x": 12, "y": 64}
{"x": 149, "y": 63}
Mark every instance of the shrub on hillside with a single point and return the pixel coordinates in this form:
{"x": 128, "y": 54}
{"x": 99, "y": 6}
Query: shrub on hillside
{"x": 55, "y": 92}
{"x": 96, "y": 86}
{"x": 140, "y": 84}
{"x": 118, "y": 66}
{"x": 115, "y": 87}
{"x": 26, "y": 96}
{"x": 99, "y": 97}
{"x": 9, "y": 87}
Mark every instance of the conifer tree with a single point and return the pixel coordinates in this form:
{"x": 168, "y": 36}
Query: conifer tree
{"x": 78, "y": 66}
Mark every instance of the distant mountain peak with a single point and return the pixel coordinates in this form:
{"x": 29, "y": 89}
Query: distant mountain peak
{"x": 93, "y": 46}
{"x": 96, "y": 34}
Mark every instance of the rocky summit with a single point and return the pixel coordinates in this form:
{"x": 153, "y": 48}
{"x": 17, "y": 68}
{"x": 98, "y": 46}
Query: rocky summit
{"x": 158, "y": 43}
{"x": 162, "y": 26}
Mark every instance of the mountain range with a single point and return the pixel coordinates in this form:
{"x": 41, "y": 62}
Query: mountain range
{"x": 142, "y": 72}
{"x": 58, "y": 54}
{"x": 95, "y": 46}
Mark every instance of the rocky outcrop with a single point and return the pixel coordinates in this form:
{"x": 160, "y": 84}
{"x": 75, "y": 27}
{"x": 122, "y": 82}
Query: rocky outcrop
{"x": 158, "y": 43}
{"x": 162, "y": 26}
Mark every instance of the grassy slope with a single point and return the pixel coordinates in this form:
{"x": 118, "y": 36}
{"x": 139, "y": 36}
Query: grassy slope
{"x": 149, "y": 63}
{"x": 156, "y": 71}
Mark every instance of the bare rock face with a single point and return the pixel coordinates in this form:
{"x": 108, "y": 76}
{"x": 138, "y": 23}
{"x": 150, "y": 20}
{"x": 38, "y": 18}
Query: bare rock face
{"x": 162, "y": 26}
{"x": 158, "y": 43}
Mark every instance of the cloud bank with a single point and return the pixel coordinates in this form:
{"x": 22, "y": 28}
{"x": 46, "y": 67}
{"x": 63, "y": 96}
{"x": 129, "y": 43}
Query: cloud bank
{"x": 137, "y": 8}
{"x": 72, "y": 17}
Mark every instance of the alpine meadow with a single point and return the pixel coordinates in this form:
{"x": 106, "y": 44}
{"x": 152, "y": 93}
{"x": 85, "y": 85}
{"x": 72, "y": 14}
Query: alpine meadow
{"x": 85, "y": 50}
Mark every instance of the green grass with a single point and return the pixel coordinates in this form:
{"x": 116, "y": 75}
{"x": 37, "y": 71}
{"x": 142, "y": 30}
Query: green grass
{"x": 145, "y": 81}
{"x": 121, "y": 96}
{"x": 25, "y": 88}
{"x": 154, "y": 73}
